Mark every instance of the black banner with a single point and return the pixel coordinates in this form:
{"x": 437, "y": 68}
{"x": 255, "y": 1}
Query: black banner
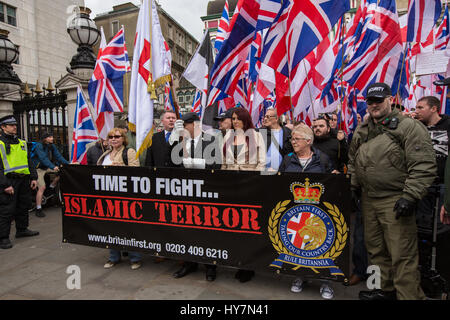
{"x": 294, "y": 223}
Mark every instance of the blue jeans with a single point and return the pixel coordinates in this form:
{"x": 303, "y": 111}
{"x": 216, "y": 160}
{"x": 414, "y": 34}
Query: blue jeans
{"x": 359, "y": 253}
{"x": 114, "y": 255}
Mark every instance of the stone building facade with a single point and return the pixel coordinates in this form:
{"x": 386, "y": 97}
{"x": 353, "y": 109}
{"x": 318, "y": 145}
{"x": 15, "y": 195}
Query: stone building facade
{"x": 182, "y": 46}
{"x": 38, "y": 28}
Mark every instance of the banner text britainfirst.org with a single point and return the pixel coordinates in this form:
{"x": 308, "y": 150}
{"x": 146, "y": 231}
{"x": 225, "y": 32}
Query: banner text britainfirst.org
{"x": 202, "y": 213}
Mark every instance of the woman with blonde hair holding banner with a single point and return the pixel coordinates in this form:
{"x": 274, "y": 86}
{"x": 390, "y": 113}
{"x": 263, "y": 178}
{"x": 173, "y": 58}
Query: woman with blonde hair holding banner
{"x": 120, "y": 155}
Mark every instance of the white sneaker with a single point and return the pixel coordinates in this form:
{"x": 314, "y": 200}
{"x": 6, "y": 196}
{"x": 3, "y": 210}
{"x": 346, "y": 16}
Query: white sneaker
{"x": 326, "y": 291}
{"x": 136, "y": 265}
{"x": 109, "y": 264}
{"x": 297, "y": 285}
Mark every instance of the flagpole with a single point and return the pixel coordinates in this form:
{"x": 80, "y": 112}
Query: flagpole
{"x": 309, "y": 89}
{"x": 127, "y": 89}
{"x": 151, "y": 85}
{"x": 175, "y": 102}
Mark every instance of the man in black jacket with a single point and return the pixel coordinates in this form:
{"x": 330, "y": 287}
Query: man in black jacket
{"x": 192, "y": 148}
{"x": 335, "y": 148}
{"x": 278, "y": 139}
{"x": 95, "y": 150}
{"x": 427, "y": 111}
{"x": 157, "y": 154}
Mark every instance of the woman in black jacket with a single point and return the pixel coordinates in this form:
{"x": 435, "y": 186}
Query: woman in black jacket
{"x": 307, "y": 159}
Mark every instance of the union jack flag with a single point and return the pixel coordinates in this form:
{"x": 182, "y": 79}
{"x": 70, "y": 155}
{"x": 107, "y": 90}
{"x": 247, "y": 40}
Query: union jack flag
{"x": 84, "y": 131}
{"x": 422, "y": 16}
{"x": 224, "y": 28}
{"x": 106, "y": 85}
{"x": 231, "y": 60}
{"x": 442, "y": 34}
{"x": 168, "y": 99}
{"x": 299, "y": 27}
{"x": 379, "y": 50}
{"x": 197, "y": 103}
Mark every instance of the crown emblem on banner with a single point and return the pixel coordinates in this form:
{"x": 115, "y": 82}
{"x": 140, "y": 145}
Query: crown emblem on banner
{"x": 307, "y": 193}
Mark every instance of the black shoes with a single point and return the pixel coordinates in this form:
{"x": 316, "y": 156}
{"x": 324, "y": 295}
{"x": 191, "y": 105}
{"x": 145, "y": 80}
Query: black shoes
{"x": 5, "y": 244}
{"x": 188, "y": 267}
{"x": 39, "y": 213}
{"x": 377, "y": 295}
{"x": 210, "y": 273}
{"x": 244, "y": 275}
{"x": 26, "y": 233}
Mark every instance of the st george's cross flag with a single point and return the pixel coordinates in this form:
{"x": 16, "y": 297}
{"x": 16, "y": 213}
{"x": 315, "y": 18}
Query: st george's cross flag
{"x": 151, "y": 68}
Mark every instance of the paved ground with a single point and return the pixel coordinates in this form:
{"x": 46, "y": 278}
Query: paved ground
{"x": 35, "y": 269}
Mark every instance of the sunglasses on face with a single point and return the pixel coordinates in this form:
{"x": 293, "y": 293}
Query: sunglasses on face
{"x": 117, "y": 137}
{"x": 374, "y": 100}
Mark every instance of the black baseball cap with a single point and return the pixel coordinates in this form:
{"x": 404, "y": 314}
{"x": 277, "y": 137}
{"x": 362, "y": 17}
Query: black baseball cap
{"x": 378, "y": 90}
{"x": 8, "y": 120}
{"x": 190, "y": 117}
{"x": 226, "y": 115}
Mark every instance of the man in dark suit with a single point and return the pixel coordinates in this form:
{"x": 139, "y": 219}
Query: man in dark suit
{"x": 157, "y": 154}
{"x": 194, "y": 149}
{"x": 278, "y": 139}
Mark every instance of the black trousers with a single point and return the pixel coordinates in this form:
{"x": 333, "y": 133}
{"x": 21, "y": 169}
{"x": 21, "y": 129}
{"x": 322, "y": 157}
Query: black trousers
{"x": 15, "y": 206}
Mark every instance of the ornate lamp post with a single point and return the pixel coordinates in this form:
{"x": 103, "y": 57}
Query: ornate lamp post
{"x": 8, "y": 54}
{"x": 84, "y": 33}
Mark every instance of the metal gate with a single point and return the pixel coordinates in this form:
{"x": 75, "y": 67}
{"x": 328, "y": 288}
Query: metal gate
{"x": 42, "y": 112}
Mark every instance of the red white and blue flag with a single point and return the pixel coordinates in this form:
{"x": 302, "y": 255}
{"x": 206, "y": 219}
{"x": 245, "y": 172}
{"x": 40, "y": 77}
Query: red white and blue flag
{"x": 422, "y": 17}
{"x": 197, "y": 103}
{"x": 84, "y": 131}
{"x": 106, "y": 85}
{"x": 442, "y": 34}
{"x": 299, "y": 27}
{"x": 168, "y": 98}
{"x": 224, "y": 28}
{"x": 231, "y": 60}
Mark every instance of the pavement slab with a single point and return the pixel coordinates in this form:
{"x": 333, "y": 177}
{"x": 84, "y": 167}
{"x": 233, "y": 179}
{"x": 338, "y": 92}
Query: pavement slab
{"x": 36, "y": 269}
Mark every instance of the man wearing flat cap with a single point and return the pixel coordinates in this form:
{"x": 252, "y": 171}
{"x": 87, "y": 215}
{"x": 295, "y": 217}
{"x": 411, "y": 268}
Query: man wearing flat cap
{"x": 17, "y": 178}
{"x": 47, "y": 159}
{"x": 192, "y": 148}
{"x": 392, "y": 163}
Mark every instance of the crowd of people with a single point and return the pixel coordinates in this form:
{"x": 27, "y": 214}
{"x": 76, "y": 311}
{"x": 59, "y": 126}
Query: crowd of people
{"x": 394, "y": 160}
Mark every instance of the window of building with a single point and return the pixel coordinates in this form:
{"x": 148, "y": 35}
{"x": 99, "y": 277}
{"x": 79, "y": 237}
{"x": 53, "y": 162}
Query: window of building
{"x": 180, "y": 97}
{"x": 8, "y": 14}
{"x": 115, "y": 27}
{"x": 170, "y": 31}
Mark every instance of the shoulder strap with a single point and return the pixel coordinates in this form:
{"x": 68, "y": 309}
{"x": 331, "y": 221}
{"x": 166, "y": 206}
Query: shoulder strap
{"x": 125, "y": 155}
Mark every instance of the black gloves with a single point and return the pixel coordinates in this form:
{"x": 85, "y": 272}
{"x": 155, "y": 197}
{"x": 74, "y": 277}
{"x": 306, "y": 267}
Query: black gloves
{"x": 404, "y": 208}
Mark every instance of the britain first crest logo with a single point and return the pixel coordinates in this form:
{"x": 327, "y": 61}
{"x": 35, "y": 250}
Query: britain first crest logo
{"x": 306, "y": 236}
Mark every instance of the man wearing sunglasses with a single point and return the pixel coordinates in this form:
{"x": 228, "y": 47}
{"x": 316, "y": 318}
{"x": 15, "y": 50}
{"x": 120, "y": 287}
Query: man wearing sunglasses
{"x": 392, "y": 163}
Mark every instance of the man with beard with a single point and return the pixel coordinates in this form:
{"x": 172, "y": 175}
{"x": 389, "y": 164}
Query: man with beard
{"x": 335, "y": 148}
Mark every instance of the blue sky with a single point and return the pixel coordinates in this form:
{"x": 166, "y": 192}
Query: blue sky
{"x": 185, "y": 12}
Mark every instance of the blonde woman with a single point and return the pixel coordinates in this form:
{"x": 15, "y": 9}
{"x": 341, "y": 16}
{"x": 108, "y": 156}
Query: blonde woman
{"x": 120, "y": 155}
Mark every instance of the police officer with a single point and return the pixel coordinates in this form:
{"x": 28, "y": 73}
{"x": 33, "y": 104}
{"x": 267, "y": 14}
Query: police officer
{"x": 16, "y": 178}
{"x": 392, "y": 163}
